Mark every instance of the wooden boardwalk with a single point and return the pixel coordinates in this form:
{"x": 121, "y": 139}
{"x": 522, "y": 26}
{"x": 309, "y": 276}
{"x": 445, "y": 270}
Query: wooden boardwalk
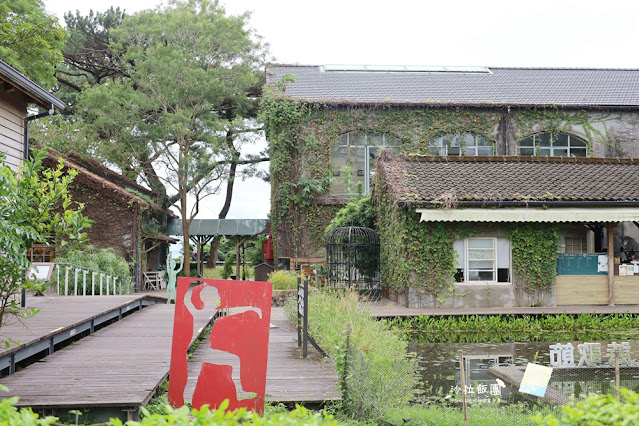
{"x": 57, "y": 314}
{"x": 119, "y": 366}
{"x": 386, "y": 308}
{"x": 289, "y": 377}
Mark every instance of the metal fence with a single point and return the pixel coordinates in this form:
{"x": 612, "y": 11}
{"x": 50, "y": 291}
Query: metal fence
{"x": 74, "y": 280}
{"x": 486, "y": 389}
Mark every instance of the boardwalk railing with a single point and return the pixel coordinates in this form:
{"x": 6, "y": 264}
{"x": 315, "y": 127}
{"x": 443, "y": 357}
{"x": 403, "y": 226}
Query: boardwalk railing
{"x": 74, "y": 280}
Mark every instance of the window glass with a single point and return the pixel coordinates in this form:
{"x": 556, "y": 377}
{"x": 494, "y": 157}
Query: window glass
{"x": 481, "y": 259}
{"x": 543, "y": 139}
{"x": 553, "y": 145}
{"x": 353, "y": 161}
{"x": 560, "y": 139}
{"x": 460, "y": 144}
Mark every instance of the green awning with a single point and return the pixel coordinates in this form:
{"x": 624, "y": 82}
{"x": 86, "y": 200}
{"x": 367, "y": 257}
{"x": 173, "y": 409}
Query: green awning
{"x": 214, "y": 227}
{"x": 531, "y": 214}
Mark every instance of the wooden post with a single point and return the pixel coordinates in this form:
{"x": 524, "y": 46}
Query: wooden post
{"x": 462, "y": 374}
{"x": 610, "y": 228}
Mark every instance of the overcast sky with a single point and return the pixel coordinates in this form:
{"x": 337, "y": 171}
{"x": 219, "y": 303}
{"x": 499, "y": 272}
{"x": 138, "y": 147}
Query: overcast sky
{"x": 541, "y": 33}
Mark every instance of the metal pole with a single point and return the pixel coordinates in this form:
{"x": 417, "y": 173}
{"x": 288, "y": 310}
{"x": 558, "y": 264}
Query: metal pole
{"x": 300, "y": 312}
{"x": 462, "y": 373}
{"x": 305, "y": 332}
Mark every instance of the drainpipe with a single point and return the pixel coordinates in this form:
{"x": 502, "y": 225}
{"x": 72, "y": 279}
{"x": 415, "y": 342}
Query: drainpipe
{"x": 25, "y": 156}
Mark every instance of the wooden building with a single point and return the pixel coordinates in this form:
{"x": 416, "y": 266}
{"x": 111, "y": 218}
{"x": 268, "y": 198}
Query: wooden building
{"x": 124, "y": 216}
{"x": 16, "y": 93}
{"x": 328, "y": 125}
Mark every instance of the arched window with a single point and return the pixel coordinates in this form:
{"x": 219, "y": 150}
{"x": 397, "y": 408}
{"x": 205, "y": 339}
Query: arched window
{"x": 461, "y": 144}
{"x": 353, "y": 161}
{"x": 553, "y": 145}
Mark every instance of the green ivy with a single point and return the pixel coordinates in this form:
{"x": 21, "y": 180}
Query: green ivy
{"x": 534, "y": 252}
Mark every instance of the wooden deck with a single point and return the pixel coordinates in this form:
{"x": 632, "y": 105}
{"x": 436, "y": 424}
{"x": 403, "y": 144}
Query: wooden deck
{"x": 119, "y": 366}
{"x": 386, "y": 308}
{"x": 58, "y": 314}
{"x": 289, "y": 377}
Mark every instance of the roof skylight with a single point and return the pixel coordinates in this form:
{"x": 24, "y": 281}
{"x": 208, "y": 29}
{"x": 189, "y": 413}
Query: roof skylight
{"x": 405, "y": 68}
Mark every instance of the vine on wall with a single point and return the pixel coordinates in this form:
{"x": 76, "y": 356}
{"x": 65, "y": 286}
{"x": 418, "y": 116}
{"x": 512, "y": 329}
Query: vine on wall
{"x": 422, "y": 255}
{"x": 301, "y": 137}
{"x": 534, "y": 248}
{"x": 537, "y": 120}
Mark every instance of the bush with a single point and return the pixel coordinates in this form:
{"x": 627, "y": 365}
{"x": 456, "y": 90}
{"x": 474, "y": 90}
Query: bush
{"x": 104, "y": 260}
{"x": 597, "y": 410}
{"x": 377, "y": 375}
{"x": 227, "y": 269}
{"x": 283, "y": 280}
{"x": 204, "y": 416}
{"x": 10, "y": 415}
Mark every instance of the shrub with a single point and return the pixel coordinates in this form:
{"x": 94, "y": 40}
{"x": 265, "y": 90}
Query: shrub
{"x": 597, "y": 410}
{"x": 10, "y": 415}
{"x": 104, "y": 260}
{"x": 205, "y": 416}
{"x": 283, "y": 280}
{"x": 377, "y": 375}
{"x": 227, "y": 269}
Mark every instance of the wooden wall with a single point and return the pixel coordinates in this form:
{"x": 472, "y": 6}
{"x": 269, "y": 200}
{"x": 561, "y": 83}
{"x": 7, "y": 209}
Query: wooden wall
{"x": 13, "y": 110}
{"x": 593, "y": 290}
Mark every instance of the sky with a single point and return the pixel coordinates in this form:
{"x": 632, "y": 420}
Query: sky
{"x": 543, "y": 33}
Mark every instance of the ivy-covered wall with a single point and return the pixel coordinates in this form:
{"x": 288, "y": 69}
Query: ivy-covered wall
{"x": 418, "y": 259}
{"x": 301, "y": 136}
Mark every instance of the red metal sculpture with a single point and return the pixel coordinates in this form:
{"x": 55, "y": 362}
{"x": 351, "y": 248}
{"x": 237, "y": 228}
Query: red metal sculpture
{"x": 243, "y": 334}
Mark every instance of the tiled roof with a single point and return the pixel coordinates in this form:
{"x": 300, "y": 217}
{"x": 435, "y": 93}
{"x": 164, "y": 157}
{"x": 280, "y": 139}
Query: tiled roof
{"x": 500, "y": 86}
{"x": 421, "y": 180}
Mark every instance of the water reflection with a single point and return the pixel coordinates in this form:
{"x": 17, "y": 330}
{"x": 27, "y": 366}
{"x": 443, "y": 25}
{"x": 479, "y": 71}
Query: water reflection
{"x": 441, "y": 373}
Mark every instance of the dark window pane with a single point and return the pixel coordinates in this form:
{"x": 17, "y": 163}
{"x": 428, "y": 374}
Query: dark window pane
{"x": 526, "y": 151}
{"x": 560, "y": 139}
{"x": 527, "y": 141}
{"x": 577, "y": 142}
{"x": 485, "y": 150}
{"x": 578, "y": 152}
{"x": 543, "y": 139}
{"x": 560, "y": 152}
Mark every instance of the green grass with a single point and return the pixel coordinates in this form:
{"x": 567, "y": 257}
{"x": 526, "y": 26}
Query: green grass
{"x": 215, "y": 273}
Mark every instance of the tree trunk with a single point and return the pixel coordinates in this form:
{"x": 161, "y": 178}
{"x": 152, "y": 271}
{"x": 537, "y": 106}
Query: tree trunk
{"x": 215, "y": 244}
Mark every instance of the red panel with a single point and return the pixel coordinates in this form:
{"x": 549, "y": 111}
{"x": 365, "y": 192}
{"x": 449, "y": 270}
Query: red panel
{"x": 243, "y": 334}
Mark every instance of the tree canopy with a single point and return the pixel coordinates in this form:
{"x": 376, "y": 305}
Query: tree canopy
{"x": 179, "y": 107}
{"x": 30, "y": 39}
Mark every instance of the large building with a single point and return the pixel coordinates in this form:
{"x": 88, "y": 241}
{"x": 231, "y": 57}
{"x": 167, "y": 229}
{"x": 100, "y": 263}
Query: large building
{"x": 481, "y": 129}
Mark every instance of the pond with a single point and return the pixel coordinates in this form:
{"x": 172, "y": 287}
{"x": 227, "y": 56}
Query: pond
{"x": 440, "y": 370}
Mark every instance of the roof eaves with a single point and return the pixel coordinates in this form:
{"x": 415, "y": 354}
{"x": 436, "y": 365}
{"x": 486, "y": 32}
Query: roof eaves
{"x": 28, "y": 86}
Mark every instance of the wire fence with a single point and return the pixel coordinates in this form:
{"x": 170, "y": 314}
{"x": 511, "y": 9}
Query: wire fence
{"x": 484, "y": 389}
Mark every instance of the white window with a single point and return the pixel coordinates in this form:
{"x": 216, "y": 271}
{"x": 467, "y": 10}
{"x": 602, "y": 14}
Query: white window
{"x": 576, "y": 245}
{"x": 553, "y": 145}
{"x": 353, "y": 161}
{"x": 483, "y": 260}
{"x": 461, "y": 144}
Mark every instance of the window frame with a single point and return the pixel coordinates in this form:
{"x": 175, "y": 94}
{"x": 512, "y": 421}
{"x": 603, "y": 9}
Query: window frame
{"x": 467, "y": 267}
{"x": 354, "y": 141}
{"x": 536, "y": 147}
{"x": 443, "y": 148}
